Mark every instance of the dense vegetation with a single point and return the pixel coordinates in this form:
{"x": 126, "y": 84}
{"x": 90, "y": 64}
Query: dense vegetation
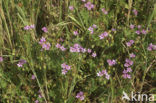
{"x": 76, "y": 51}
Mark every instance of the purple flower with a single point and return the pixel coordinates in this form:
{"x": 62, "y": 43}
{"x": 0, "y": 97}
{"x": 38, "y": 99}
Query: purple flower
{"x": 129, "y": 61}
{"x": 151, "y": 47}
{"x": 89, "y": 5}
{"x": 71, "y": 8}
{"x": 32, "y": 26}
{"x": 132, "y": 26}
{"x": 129, "y": 70}
{"x": 130, "y": 43}
{"x": 104, "y": 11}
{"x": 40, "y": 96}
{"x": 33, "y": 77}
{"x": 45, "y": 29}
{"x": 137, "y": 32}
{"x": 144, "y": 32}
{"x": 21, "y": 62}
{"x": 1, "y": 59}
{"x": 27, "y": 27}
{"x": 111, "y": 62}
{"x": 75, "y": 33}
{"x": 132, "y": 55}
{"x": 135, "y": 12}
{"x": 103, "y": 35}
{"x": 36, "y": 101}
{"x": 46, "y": 46}
{"x": 126, "y": 76}
{"x": 42, "y": 40}
{"x": 89, "y": 50}
{"x": 139, "y": 26}
{"x": 65, "y": 68}
{"x": 58, "y": 45}
{"x": 103, "y": 72}
{"x": 62, "y": 48}
{"x": 94, "y": 54}
{"x": 84, "y": 0}
{"x": 80, "y": 95}
{"x": 113, "y": 29}
{"x": 91, "y": 30}
{"x": 94, "y": 26}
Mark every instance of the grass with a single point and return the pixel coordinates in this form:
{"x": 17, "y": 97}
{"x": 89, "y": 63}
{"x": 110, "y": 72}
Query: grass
{"x": 16, "y": 83}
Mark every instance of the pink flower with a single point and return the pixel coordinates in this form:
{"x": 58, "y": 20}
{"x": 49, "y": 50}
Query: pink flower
{"x": 75, "y": 33}
{"x": 33, "y": 77}
{"x": 111, "y": 62}
{"x": 84, "y": 0}
{"x": 65, "y": 69}
{"x": 71, "y": 8}
{"x": 89, "y": 50}
{"x": 80, "y": 95}
{"x": 1, "y": 59}
{"x": 139, "y": 26}
{"x": 58, "y": 45}
{"x": 103, "y": 72}
{"x": 104, "y": 11}
{"x": 130, "y": 43}
{"x": 89, "y": 5}
{"x": 45, "y": 29}
{"x": 21, "y": 62}
{"x": 132, "y": 26}
{"x": 137, "y": 32}
{"x": 151, "y": 47}
{"x": 135, "y": 12}
{"x": 144, "y": 32}
{"x": 94, "y": 54}
{"x": 132, "y": 55}
{"x": 103, "y": 35}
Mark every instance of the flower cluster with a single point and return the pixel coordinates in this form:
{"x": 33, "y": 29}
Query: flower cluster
{"x": 21, "y": 62}
{"x": 89, "y": 5}
{"x": 1, "y": 59}
{"x": 151, "y": 47}
{"x": 132, "y": 55}
{"x": 61, "y": 47}
{"x": 103, "y": 72}
{"x": 111, "y": 62}
{"x": 45, "y": 45}
{"x": 33, "y": 77}
{"x": 128, "y": 62}
{"x": 103, "y": 35}
{"x": 91, "y": 28}
{"x": 125, "y": 73}
{"x": 65, "y": 68}
{"x": 130, "y": 43}
{"x": 104, "y": 11}
{"x": 28, "y": 27}
{"x": 44, "y": 29}
{"x": 80, "y": 95}
{"x": 127, "y": 65}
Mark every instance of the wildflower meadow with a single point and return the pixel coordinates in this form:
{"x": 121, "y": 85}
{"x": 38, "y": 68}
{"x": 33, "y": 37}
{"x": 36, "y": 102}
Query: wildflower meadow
{"x": 77, "y": 51}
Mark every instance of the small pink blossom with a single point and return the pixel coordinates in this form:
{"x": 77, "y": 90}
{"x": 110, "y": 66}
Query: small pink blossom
{"x": 89, "y": 5}
{"x": 71, "y": 8}
{"x": 45, "y": 29}
{"x": 1, "y": 59}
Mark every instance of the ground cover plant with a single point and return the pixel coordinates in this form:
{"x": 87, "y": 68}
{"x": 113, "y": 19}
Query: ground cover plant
{"x": 77, "y": 51}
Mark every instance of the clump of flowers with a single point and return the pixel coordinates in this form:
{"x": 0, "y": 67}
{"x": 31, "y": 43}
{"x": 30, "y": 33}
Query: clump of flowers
{"x": 77, "y": 48}
{"x": 44, "y": 29}
{"x": 65, "y": 68}
{"x": 89, "y": 5}
{"x": 80, "y": 95}
{"x": 45, "y": 45}
{"x": 128, "y": 62}
{"x": 130, "y": 43}
{"x": 132, "y": 55}
{"x": 103, "y": 35}
{"x": 91, "y": 28}
{"x": 61, "y": 47}
{"x": 111, "y": 62}
{"x": 151, "y": 47}
{"x": 21, "y": 62}
{"x": 1, "y": 59}
{"x": 103, "y": 72}
{"x": 71, "y": 8}
{"x": 104, "y": 11}
{"x": 28, "y": 27}
{"x": 125, "y": 73}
